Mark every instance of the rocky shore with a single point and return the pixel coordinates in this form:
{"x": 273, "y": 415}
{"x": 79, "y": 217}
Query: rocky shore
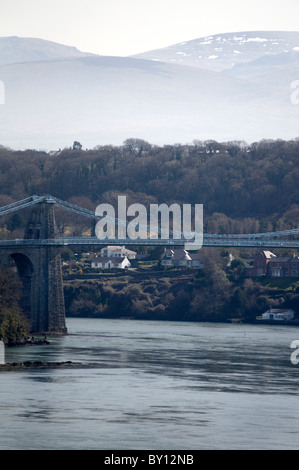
{"x": 28, "y": 342}
{"x": 41, "y": 364}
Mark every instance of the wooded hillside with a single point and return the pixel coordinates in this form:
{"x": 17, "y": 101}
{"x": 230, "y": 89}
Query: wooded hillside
{"x": 243, "y": 188}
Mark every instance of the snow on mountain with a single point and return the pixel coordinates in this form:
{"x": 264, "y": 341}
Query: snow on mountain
{"x": 223, "y": 51}
{"x": 56, "y": 99}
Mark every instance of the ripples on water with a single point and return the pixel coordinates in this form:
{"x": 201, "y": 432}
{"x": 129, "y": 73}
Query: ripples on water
{"x": 158, "y": 385}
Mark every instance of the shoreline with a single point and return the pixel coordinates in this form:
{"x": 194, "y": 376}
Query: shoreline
{"x": 27, "y": 342}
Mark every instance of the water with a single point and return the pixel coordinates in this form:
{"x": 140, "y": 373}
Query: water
{"x": 158, "y": 385}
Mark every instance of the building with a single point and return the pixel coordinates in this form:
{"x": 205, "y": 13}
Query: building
{"x": 260, "y": 263}
{"x": 284, "y": 266}
{"x": 180, "y": 258}
{"x": 267, "y": 263}
{"x": 118, "y": 252}
{"x": 112, "y": 257}
{"x": 277, "y": 314}
{"x": 109, "y": 262}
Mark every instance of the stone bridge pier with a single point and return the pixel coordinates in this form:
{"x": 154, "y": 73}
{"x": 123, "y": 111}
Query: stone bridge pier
{"x": 39, "y": 268}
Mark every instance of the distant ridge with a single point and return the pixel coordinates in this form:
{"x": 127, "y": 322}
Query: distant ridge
{"x": 234, "y": 86}
{"x": 14, "y": 49}
{"x": 224, "y": 51}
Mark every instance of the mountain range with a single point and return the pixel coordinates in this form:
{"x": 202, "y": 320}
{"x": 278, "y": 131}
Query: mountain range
{"x": 225, "y": 51}
{"x": 225, "y": 87}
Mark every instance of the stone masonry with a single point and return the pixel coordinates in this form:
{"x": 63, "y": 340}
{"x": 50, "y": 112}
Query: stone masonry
{"x": 39, "y": 268}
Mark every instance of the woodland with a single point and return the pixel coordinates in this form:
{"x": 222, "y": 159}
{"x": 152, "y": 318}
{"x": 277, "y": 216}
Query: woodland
{"x": 243, "y": 188}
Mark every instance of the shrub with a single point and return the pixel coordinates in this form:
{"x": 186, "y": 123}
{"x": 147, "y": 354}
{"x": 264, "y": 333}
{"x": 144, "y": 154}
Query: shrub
{"x": 13, "y": 326}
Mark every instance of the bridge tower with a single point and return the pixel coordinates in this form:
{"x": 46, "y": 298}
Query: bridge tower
{"x": 39, "y": 268}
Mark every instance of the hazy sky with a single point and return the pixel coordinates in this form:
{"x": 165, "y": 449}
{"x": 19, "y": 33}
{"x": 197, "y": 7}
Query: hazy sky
{"x": 124, "y": 27}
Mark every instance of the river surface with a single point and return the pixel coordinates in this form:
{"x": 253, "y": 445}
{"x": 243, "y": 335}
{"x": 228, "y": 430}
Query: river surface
{"x": 157, "y": 385}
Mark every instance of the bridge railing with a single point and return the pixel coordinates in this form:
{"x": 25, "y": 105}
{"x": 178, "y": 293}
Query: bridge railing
{"x": 207, "y": 242}
{"x": 16, "y": 206}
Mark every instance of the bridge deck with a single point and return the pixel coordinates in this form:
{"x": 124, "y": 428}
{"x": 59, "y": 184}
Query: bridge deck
{"x": 207, "y": 242}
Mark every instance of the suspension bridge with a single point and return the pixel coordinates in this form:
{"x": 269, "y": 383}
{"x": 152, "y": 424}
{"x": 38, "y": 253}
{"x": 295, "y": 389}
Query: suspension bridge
{"x": 38, "y": 261}
{"x": 278, "y": 239}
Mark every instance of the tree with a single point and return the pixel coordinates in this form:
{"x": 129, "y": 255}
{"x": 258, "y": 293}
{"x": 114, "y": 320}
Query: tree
{"x": 16, "y": 221}
{"x": 137, "y": 146}
{"x": 77, "y": 145}
{"x": 237, "y": 303}
{"x": 13, "y": 324}
{"x": 237, "y": 271}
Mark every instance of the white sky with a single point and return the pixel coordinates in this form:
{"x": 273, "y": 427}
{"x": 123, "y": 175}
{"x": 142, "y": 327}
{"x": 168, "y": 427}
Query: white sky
{"x": 124, "y": 27}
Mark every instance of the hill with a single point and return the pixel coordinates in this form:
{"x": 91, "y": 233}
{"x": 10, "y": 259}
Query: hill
{"x": 224, "y": 51}
{"x": 14, "y": 49}
{"x": 55, "y": 95}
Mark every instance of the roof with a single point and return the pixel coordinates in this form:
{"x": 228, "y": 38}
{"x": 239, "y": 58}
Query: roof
{"x": 279, "y": 310}
{"x": 268, "y": 254}
{"x": 195, "y": 256}
{"x": 121, "y": 249}
{"x": 177, "y": 254}
{"x": 113, "y": 247}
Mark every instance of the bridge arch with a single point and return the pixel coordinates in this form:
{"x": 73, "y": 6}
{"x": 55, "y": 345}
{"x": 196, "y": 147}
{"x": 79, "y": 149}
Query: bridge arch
{"x": 24, "y": 264}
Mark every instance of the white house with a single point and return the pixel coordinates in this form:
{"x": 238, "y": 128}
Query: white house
{"x": 106, "y": 262}
{"x": 118, "y": 252}
{"x": 277, "y": 314}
